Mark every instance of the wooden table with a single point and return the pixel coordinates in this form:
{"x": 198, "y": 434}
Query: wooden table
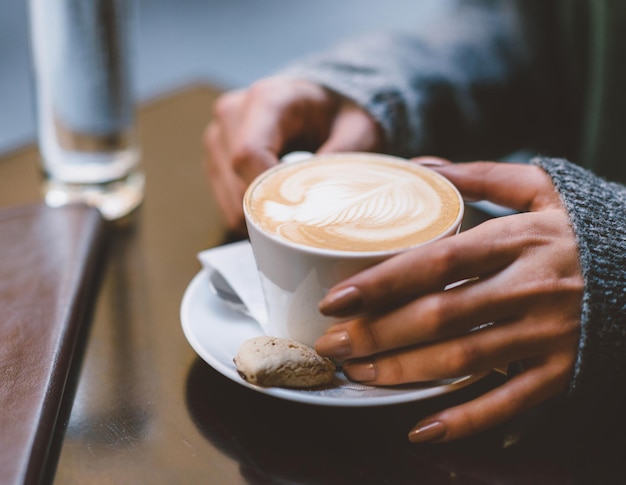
{"x": 148, "y": 410}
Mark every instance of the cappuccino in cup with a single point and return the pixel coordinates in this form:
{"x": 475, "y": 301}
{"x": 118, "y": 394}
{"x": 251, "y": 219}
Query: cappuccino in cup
{"x": 316, "y": 222}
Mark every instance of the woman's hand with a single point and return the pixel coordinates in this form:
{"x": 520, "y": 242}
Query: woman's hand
{"x": 252, "y": 128}
{"x": 524, "y": 278}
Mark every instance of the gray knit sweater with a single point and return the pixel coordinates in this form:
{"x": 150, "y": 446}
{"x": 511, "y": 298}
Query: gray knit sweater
{"x": 597, "y": 211}
{"x": 497, "y": 76}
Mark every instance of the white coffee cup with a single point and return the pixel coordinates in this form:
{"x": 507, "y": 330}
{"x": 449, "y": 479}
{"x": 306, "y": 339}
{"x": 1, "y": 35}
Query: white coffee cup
{"x": 306, "y": 238}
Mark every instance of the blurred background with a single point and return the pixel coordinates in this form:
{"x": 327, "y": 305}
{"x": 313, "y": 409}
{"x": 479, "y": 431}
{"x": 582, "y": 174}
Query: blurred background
{"x": 228, "y": 43}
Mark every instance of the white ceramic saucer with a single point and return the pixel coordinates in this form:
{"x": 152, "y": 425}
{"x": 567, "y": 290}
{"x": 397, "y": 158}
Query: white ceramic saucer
{"x": 216, "y": 332}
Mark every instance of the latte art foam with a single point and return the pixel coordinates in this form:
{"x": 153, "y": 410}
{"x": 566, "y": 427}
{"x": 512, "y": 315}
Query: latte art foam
{"x": 354, "y": 204}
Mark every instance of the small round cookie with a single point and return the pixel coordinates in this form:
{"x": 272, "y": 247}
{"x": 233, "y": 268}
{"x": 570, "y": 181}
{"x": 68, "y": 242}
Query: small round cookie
{"x": 278, "y": 362}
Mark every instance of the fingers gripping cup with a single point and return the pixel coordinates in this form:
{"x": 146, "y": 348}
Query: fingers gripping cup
{"x": 315, "y": 222}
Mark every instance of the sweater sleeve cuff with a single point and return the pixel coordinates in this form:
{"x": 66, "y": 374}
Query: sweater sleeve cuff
{"x": 351, "y": 70}
{"x": 597, "y": 211}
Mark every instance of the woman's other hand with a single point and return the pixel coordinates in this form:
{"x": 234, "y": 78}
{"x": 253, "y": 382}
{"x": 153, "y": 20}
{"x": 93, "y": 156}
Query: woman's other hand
{"x": 251, "y": 128}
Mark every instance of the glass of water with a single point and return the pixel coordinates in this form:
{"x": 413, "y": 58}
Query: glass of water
{"x": 82, "y": 60}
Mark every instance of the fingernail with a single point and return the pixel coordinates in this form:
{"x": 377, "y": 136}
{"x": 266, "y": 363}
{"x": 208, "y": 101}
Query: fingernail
{"x": 341, "y": 303}
{"x": 335, "y": 345}
{"x": 360, "y": 371}
{"x": 433, "y": 431}
{"x": 431, "y": 161}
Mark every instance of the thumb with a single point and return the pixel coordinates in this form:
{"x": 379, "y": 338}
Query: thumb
{"x": 353, "y": 129}
{"x": 517, "y": 186}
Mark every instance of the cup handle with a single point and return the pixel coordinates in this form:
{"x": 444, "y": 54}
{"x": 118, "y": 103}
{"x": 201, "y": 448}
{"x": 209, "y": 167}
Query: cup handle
{"x": 296, "y": 156}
